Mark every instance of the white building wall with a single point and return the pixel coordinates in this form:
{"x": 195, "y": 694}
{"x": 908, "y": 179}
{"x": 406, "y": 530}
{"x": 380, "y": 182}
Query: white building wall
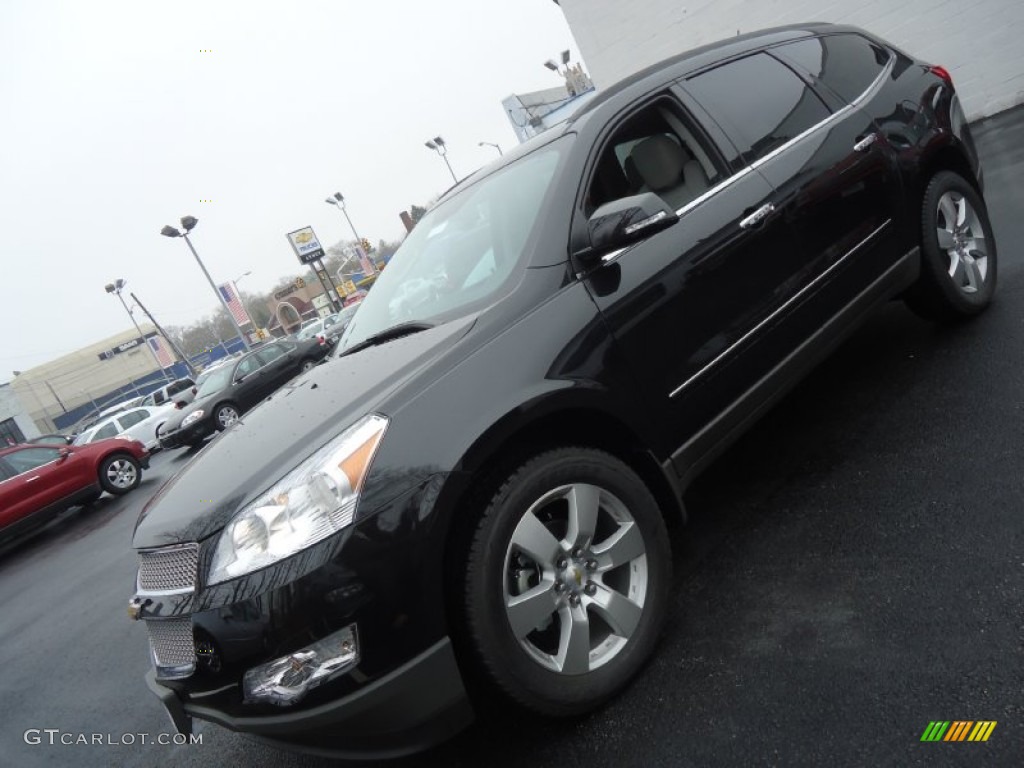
{"x": 981, "y": 42}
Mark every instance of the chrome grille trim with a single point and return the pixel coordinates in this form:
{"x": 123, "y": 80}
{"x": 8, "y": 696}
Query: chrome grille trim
{"x": 168, "y": 570}
{"x": 172, "y": 646}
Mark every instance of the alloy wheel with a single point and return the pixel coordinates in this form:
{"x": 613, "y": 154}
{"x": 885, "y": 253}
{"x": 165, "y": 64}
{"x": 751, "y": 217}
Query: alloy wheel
{"x": 122, "y": 473}
{"x": 962, "y": 237}
{"x": 575, "y": 578}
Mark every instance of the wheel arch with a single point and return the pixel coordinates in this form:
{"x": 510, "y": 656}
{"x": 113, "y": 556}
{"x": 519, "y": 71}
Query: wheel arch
{"x": 507, "y": 444}
{"x": 949, "y": 157}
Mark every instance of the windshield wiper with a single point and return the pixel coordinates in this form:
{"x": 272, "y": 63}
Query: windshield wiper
{"x": 394, "y": 332}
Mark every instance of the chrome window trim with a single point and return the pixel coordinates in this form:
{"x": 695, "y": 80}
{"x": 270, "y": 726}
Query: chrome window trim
{"x": 782, "y": 308}
{"x": 610, "y": 258}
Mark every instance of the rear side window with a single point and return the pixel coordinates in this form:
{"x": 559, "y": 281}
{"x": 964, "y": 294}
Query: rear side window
{"x": 759, "y": 102}
{"x": 107, "y": 430}
{"x": 848, "y": 64}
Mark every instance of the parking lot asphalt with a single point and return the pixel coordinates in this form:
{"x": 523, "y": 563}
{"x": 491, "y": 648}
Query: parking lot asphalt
{"x": 853, "y": 570}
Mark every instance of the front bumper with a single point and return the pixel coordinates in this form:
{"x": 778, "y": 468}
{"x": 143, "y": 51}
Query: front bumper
{"x": 190, "y": 435}
{"x": 383, "y": 574}
{"x": 418, "y": 705}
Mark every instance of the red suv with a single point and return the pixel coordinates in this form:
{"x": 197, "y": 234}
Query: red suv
{"x": 38, "y": 481}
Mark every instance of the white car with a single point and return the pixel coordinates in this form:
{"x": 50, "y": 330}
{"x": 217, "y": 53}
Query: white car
{"x": 136, "y": 423}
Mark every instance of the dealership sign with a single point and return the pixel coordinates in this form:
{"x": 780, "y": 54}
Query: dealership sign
{"x": 306, "y": 245}
{"x": 130, "y": 344}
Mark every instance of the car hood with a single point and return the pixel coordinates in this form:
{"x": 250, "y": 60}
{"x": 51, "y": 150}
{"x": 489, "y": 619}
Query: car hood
{"x": 285, "y": 429}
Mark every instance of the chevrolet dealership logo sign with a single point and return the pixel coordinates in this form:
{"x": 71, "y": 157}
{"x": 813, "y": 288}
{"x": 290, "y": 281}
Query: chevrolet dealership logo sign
{"x": 306, "y": 245}
{"x": 958, "y": 730}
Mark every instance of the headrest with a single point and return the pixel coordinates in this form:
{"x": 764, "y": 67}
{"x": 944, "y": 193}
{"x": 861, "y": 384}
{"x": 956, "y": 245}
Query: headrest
{"x": 659, "y": 160}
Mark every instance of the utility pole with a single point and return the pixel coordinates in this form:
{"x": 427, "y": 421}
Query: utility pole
{"x": 162, "y": 332}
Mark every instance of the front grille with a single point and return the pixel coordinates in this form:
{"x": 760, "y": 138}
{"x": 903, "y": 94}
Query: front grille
{"x": 170, "y": 569}
{"x": 171, "y": 642}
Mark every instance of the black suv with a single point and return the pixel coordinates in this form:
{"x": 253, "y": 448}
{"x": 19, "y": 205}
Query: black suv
{"x": 471, "y": 495}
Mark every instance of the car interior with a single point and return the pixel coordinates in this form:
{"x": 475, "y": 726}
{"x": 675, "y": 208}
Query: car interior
{"x": 654, "y": 151}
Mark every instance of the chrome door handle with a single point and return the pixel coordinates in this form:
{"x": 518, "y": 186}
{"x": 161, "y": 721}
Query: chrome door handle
{"x": 865, "y": 143}
{"x": 757, "y": 216}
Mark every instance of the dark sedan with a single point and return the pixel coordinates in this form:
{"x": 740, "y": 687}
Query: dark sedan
{"x": 236, "y": 387}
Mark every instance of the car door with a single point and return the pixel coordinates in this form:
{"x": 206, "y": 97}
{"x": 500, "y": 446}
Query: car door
{"x": 134, "y": 424}
{"x": 280, "y": 363}
{"x": 836, "y": 185}
{"x": 39, "y": 479}
{"x": 249, "y": 384}
{"x": 686, "y": 305}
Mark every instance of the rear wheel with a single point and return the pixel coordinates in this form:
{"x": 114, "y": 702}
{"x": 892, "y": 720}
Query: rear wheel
{"x": 958, "y": 252}
{"x": 119, "y": 473}
{"x": 567, "y": 580}
{"x": 307, "y": 365}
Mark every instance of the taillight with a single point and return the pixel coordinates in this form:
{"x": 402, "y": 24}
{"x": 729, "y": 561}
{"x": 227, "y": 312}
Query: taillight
{"x": 942, "y": 72}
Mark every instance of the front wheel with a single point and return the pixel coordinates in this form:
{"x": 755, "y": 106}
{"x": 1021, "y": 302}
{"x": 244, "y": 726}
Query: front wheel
{"x": 958, "y": 252}
{"x": 226, "y": 416}
{"x": 119, "y": 474}
{"x": 567, "y": 581}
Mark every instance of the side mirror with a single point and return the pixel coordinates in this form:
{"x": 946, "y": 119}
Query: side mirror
{"x": 626, "y": 221}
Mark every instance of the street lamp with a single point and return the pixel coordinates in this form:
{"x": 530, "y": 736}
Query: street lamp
{"x": 437, "y": 144}
{"x": 188, "y": 223}
{"x": 338, "y": 201}
{"x": 115, "y": 288}
{"x": 491, "y": 144}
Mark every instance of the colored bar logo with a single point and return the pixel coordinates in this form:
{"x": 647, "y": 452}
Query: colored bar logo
{"x": 958, "y": 730}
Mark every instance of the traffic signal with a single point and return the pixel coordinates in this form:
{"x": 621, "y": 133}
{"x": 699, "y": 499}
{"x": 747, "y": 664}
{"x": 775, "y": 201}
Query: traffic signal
{"x": 365, "y": 244}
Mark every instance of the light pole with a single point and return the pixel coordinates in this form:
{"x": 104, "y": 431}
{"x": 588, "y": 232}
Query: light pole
{"x": 115, "y": 287}
{"x": 338, "y": 201}
{"x": 437, "y": 144}
{"x": 491, "y": 144}
{"x": 187, "y": 224}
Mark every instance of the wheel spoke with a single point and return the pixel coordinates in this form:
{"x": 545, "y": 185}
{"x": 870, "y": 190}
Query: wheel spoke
{"x": 948, "y": 209}
{"x": 535, "y": 540}
{"x": 956, "y": 268}
{"x": 962, "y": 209}
{"x": 574, "y": 641}
{"x": 972, "y": 273}
{"x": 584, "y": 502}
{"x": 624, "y": 545}
{"x": 621, "y": 613}
{"x": 529, "y": 609}
{"x": 946, "y": 241}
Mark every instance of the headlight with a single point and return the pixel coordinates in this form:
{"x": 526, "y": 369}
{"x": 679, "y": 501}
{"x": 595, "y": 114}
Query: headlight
{"x": 313, "y": 501}
{"x": 193, "y": 417}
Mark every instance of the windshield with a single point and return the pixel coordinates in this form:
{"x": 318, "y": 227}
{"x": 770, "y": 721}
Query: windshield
{"x": 462, "y": 253}
{"x": 216, "y": 381}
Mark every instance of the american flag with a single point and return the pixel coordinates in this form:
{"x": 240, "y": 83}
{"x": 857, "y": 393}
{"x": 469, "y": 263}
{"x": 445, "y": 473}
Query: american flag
{"x": 234, "y": 302}
{"x": 163, "y": 354}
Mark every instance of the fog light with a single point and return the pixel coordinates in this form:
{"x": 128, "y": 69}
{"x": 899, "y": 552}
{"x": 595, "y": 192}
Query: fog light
{"x": 286, "y": 680}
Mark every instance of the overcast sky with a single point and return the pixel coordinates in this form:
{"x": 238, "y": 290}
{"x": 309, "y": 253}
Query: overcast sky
{"x": 117, "y": 121}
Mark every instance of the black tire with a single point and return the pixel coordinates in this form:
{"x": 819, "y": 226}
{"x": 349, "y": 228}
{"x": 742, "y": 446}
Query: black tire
{"x": 120, "y": 473}
{"x": 495, "y": 570}
{"x": 225, "y": 415}
{"x": 950, "y": 289}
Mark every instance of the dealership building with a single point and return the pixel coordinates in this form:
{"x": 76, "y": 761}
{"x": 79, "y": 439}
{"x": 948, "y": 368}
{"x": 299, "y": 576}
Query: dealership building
{"x": 978, "y": 41}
